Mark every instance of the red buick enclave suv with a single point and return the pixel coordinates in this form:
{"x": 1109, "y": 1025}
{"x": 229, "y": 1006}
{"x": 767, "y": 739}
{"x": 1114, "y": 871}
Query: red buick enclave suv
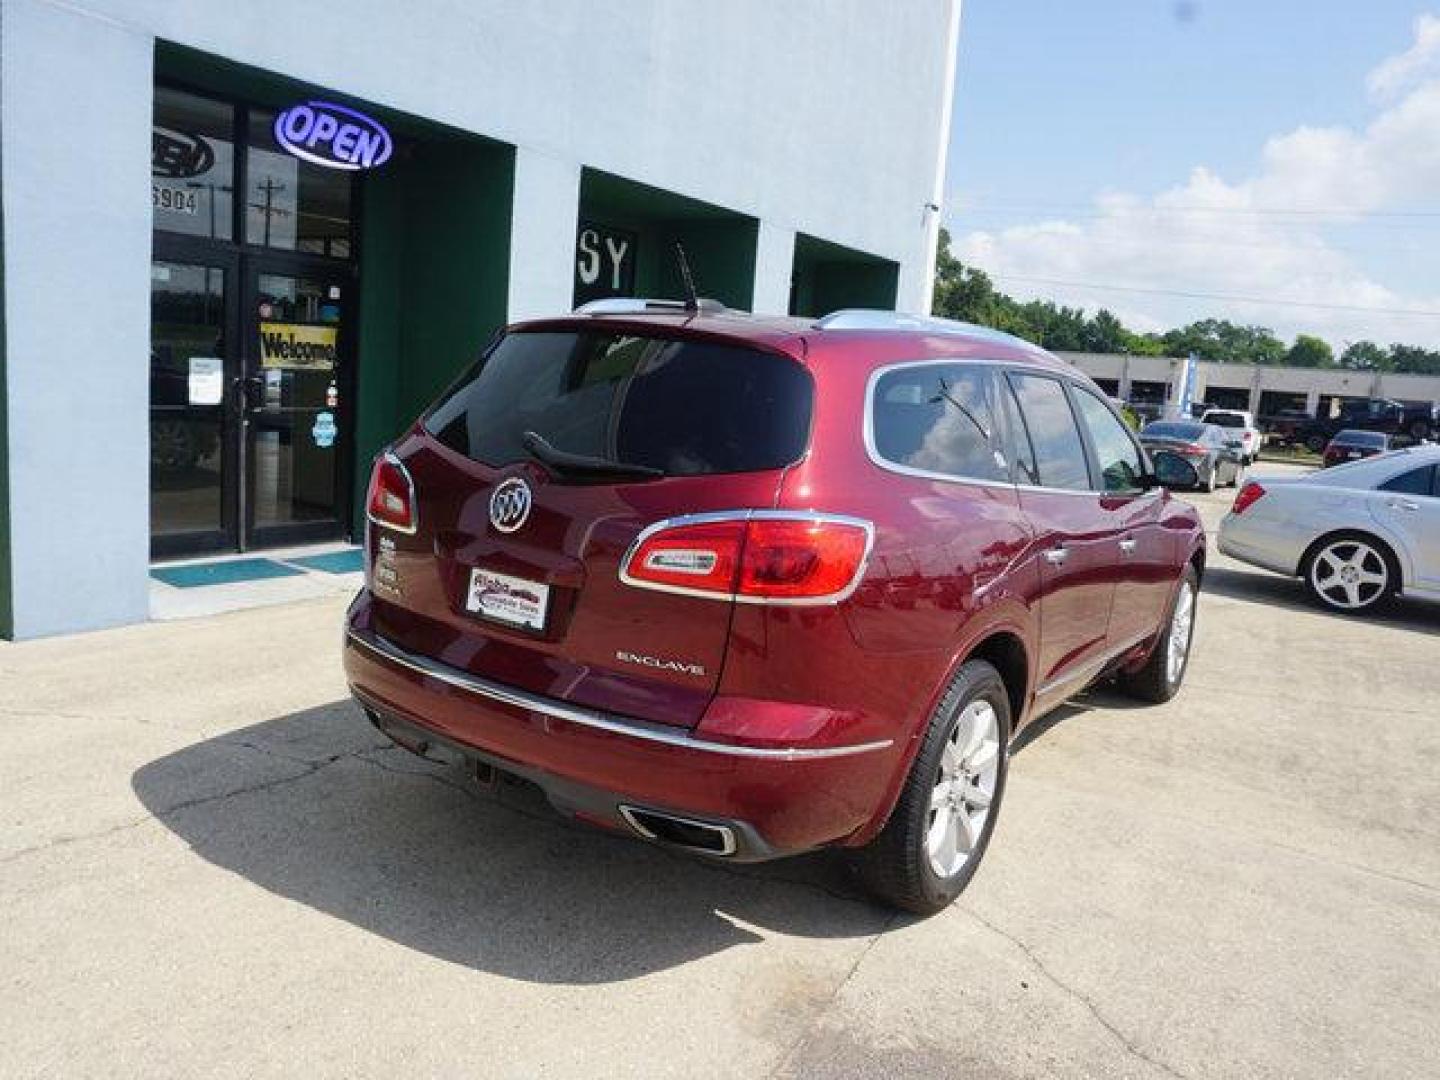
{"x": 751, "y": 586}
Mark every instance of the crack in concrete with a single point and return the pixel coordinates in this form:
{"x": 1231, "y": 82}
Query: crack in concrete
{"x": 312, "y": 767}
{"x": 806, "y": 1033}
{"x": 1119, "y": 1036}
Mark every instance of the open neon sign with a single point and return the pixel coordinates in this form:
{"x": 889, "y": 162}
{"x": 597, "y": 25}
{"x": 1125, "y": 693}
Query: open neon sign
{"x": 333, "y": 136}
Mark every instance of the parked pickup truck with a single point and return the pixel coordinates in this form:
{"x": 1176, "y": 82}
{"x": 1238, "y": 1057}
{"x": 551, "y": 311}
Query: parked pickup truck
{"x": 1409, "y": 421}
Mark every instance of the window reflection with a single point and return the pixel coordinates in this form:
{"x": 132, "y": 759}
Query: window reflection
{"x": 192, "y": 165}
{"x": 293, "y": 204}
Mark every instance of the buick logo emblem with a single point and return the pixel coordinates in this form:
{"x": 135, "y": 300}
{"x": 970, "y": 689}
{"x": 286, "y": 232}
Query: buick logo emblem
{"x": 510, "y": 505}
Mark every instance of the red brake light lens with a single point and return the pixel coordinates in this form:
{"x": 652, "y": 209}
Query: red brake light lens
{"x": 391, "y": 500}
{"x": 802, "y": 558}
{"x": 1246, "y": 497}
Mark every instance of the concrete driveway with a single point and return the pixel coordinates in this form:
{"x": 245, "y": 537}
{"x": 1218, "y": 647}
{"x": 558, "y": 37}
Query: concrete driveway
{"x": 210, "y": 866}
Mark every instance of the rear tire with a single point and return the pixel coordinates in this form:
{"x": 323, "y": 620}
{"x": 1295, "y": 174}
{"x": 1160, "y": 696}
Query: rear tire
{"x": 1164, "y": 671}
{"x": 1351, "y": 573}
{"x": 941, "y": 825}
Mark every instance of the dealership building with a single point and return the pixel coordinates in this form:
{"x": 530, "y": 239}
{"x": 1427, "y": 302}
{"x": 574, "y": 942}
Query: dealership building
{"x": 347, "y": 200}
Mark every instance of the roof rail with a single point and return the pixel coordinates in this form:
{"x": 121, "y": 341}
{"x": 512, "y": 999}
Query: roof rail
{"x": 872, "y": 319}
{"x": 638, "y": 305}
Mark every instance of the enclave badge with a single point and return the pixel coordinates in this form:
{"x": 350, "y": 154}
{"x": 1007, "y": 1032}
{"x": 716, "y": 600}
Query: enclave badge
{"x": 510, "y": 505}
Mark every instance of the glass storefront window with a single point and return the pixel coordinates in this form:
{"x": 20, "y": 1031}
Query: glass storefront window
{"x": 192, "y": 165}
{"x": 292, "y": 204}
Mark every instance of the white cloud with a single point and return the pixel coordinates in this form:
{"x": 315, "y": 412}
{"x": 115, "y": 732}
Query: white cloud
{"x": 1283, "y": 235}
{"x": 1420, "y": 59}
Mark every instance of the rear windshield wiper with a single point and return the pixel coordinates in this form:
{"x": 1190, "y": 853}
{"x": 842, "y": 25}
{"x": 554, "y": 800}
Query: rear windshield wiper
{"x": 566, "y": 462}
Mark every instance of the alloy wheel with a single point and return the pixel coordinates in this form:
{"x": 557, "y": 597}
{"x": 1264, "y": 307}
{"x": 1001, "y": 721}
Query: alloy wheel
{"x": 964, "y": 789}
{"x": 1349, "y": 574}
{"x": 1182, "y": 623}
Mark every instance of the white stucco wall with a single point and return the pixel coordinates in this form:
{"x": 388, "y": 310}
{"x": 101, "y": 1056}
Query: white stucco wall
{"x": 75, "y": 117}
{"x": 827, "y": 117}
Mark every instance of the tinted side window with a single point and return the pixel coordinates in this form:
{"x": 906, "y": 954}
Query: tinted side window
{"x": 939, "y": 418}
{"x": 1415, "y": 482}
{"x": 1120, "y": 465}
{"x": 1059, "y": 453}
{"x": 1017, "y": 439}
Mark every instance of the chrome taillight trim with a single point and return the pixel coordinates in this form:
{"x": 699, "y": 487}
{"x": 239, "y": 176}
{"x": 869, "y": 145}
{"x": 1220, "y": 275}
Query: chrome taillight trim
{"x": 592, "y": 718}
{"x": 390, "y": 459}
{"x": 713, "y": 517}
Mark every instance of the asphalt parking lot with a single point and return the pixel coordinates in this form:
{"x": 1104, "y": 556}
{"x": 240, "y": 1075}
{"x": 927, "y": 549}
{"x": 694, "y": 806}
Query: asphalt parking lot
{"x": 211, "y": 866}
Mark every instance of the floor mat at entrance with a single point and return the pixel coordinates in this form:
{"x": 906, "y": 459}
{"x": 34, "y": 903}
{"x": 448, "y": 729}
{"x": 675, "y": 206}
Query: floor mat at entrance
{"x": 222, "y": 573}
{"x": 333, "y": 562}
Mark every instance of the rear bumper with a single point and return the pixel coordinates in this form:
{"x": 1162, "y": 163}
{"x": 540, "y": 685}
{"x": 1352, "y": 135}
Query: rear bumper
{"x": 773, "y": 800}
{"x": 1254, "y": 540}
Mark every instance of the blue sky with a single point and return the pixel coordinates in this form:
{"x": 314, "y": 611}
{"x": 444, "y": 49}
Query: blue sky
{"x": 1060, "y": 104}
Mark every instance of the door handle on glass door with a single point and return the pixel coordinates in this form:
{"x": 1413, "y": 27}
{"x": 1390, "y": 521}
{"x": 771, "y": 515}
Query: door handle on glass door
{"x": 1056, "y": 555}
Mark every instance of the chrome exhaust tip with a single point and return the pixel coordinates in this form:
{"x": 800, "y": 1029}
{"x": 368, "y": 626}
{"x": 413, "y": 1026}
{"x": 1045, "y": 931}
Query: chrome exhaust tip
{"x": 702, "y": 836}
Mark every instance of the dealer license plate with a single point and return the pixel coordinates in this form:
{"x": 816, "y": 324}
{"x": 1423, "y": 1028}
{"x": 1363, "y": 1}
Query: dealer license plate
{"x": 505, "y": 599}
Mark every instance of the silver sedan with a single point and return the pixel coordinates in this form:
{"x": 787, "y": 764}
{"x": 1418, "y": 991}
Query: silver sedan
{"x": 1355, "y": 535}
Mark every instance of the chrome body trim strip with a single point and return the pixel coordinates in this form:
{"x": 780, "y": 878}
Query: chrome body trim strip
{"x": 1091, "y": 668}
{"x": 591, "y": 718}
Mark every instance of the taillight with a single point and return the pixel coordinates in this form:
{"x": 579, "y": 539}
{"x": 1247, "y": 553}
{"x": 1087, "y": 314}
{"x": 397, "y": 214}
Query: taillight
{"x": 752, "y": 556}
{"x": 1195, "y": 449}
{"x": 1246, "y": 497}
{"x": 391, "y": 500}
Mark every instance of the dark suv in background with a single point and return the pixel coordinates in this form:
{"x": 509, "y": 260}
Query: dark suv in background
{"x": 750, "y": 586}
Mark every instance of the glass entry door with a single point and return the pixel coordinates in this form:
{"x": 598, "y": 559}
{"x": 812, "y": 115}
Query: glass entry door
{"x": 296, "y": 397}
{"x": 193, "y": 307}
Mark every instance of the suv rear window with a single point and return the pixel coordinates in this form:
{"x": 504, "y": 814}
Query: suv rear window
{"x": 687, "y": 408}
{"x": 1222, "y": 419}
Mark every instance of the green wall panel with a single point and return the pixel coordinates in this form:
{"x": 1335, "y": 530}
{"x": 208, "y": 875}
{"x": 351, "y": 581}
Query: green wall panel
{"x": 827, "y": 277}
{"x": 434, "y": 281}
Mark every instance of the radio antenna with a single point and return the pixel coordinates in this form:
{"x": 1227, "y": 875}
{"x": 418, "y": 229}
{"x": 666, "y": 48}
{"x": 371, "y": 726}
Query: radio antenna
{"x": 692, "y": 298}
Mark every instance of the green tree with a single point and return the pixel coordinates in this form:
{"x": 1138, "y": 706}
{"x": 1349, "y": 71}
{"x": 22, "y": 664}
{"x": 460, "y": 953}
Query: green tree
{"x": 1105, "y": 334}
{"x": 1413, "y": 360}
{"x": 961, "y": 292}
{"x": 1224, "y": 342}
{"x": 1310, "y": 352}
{"x": 1365, "y": 356}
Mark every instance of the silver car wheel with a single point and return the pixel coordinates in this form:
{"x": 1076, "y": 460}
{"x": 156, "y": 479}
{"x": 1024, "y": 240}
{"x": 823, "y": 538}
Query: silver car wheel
{"x": 1181, "y": 625}
{"x": 1349, "y": 574}
{"x": 964, "y": 789}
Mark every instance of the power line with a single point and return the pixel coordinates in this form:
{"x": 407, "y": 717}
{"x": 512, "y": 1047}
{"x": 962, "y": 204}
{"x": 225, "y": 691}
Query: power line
{"x": 1231, "y": 298}
{"x": 962, "y": 206}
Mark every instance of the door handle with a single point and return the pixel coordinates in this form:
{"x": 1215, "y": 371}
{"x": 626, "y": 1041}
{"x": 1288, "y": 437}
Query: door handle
{"x": 1056, "y": 556}
{"x": 1403, "y": 504}
{"x": 1127, "y": 546}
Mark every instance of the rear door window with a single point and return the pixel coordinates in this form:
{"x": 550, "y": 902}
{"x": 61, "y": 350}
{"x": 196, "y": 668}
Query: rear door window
{"x": 938, "y": 418}
{"x": 1050, "y": 423}
{"x": 1120, "y": 463}
{"x": 687, "y": 408}
{"x": 1421, "y": 481}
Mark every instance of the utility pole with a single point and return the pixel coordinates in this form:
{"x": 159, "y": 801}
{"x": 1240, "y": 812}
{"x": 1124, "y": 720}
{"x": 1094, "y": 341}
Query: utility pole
{"x": 270, "y": 188}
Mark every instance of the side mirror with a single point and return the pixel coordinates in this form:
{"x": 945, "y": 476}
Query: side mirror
{"x": 1173, "y": 471}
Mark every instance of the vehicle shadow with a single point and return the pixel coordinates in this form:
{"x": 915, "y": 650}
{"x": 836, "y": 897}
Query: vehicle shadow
{"x": 1259, "y": 587}
{"x": 1102, "y": 695}
{"x": 319, "y": 808}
